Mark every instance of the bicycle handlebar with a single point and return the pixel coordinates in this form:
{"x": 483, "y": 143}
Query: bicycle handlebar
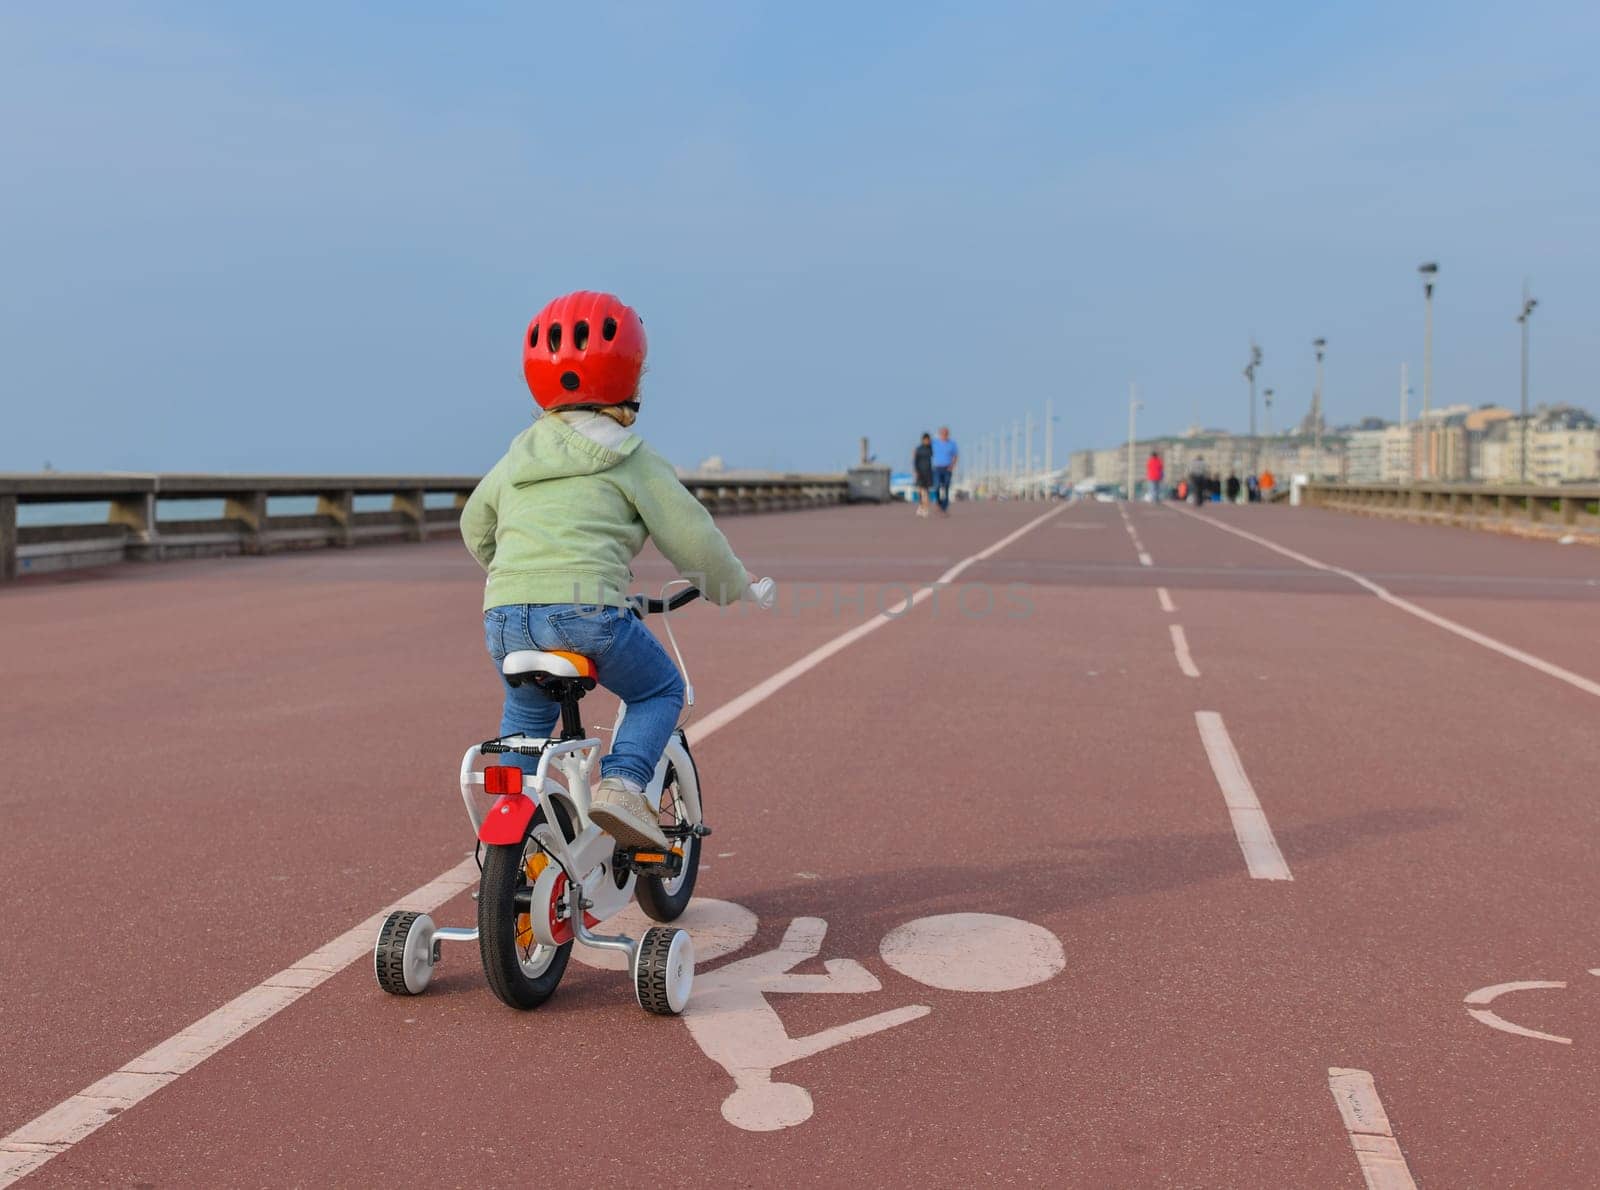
{"x": 645, "y": 606}
{"x": 763, "y": 593}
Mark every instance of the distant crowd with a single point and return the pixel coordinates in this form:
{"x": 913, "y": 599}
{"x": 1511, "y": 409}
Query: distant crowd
{"x": 1201, "y": 486}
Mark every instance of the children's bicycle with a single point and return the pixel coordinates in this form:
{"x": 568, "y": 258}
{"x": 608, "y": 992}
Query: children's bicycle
{"x": 550, "y": 876}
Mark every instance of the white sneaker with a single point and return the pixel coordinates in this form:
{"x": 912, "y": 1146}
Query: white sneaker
{"x": 626, "y": 816}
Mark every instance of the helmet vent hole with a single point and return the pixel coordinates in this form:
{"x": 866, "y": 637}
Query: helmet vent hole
{"x": 580, "y": 335}
{"x": 570, "y": 381}
{"x": 533, "y": 337}
{"x": 553, "y": 337}
{"x": 608, "y": 329}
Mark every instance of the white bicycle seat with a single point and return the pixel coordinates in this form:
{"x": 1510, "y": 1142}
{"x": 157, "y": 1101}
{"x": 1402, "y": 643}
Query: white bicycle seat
{"x": 526, "y": 663}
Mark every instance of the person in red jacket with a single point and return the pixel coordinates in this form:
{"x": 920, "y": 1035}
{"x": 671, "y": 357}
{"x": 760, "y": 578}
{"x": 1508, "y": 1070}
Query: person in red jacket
{"x": 1155, "y": 471}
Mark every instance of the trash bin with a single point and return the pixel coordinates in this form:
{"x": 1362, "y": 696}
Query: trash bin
{"x": 867, "y": 484}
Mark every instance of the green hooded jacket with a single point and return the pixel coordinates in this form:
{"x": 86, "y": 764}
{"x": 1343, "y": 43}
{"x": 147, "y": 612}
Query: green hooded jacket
{"x": 561, "y": 517}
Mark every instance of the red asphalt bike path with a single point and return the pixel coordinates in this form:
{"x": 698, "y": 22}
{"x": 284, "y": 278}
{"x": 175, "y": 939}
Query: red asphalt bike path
{"x": 214, "y": 738}
{"x": 1480, "y": 771}
{"x": 1534, "y": 595}
{"x": 1047, "y": 768}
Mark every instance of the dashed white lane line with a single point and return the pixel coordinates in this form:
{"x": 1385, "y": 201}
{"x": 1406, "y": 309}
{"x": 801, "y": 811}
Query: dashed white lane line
{"x": 70, "y": 1121}
{"x": 1378, "y": 1153}
{"x": 1250, "y": 827}
{"x": 1180, "y": 646}
{"x": 1166, "y": 600}
{"x": 1133, "y": 535}
{"x": 1587, "y": 685}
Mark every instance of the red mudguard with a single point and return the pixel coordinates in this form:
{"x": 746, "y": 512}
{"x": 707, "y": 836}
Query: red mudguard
{"x": 507, "y": 820}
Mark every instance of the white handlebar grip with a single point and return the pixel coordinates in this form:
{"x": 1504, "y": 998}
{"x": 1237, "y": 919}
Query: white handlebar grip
{"x": 763, "y": 593}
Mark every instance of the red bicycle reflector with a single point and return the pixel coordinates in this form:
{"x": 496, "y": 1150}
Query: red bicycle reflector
{"x": 501, "y": 779}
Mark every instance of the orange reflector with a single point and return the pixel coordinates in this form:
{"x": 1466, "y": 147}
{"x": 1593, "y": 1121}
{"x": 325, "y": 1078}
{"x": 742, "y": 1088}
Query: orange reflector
{"x": 501, "y": 779}
{"x": 535, "y": 863}
{"x": 524, "y": 930}
{"x": 649, "y": 857}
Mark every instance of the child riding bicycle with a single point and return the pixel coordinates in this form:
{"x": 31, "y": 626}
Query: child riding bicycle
{"x": 557, "y": 522}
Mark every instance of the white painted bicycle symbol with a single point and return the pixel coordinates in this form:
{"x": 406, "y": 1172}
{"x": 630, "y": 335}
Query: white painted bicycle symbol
{"x": 1478, "y": 1006}
{"x": 732, "y": 1021}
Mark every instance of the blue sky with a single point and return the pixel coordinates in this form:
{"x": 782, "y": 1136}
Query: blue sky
{"x": 301, "y": 237}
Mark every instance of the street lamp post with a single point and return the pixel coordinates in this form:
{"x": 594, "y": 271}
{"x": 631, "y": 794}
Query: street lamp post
{"x": 1266, "y": 428}
{"x": 1250, "y": 375}
{"x": 1049, "y": 447}
{"x": 1027, "y": 455}
{"x": 1134, "y": 405}
{"x": 1319, "y": 346}
{"x": 1528, "y": 304}
{"x": 1429, "y": 270}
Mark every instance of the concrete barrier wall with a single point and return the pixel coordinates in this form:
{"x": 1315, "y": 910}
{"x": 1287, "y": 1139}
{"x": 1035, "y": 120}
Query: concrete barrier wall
{"x": 1524, "y": 510}
{"x": 135, "y": 530}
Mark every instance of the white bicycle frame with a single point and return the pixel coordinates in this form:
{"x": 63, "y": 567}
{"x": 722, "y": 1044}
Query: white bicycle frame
{"x": 590, "y": 893}
{"x": 586, "y": 861}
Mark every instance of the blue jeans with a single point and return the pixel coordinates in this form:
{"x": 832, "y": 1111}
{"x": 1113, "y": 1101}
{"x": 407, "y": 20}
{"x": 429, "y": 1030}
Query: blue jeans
{"x": 941, "y": 487}
{"x": 630, "y": 662}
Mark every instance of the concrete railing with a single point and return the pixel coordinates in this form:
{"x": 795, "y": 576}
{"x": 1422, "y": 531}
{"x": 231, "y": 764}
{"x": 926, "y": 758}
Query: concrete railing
{"x": 410, "y": 508}
{"x": 1525, "y": 510}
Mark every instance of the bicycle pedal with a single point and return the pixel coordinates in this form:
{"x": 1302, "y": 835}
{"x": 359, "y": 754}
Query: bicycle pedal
{"x": 699, "y": 830}
{"x": 648, "y": 861}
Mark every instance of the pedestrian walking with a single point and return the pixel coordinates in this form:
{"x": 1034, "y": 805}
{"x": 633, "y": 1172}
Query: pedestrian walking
{"x": 1197, "y": 480}
{"x": 1154, "y": 472}
{"x": 1231, "y": 491}
{"x": 945, "y": 454}
{"x": 922, "y": 467}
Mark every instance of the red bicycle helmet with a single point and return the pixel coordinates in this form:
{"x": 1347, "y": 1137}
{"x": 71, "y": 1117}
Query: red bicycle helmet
{"x": 584, "y": 349}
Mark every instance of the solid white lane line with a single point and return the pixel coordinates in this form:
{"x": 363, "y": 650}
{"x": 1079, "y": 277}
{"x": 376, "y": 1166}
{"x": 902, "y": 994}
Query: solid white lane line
{"x": 764, "y": 690}
{"x": 1587, "y": 685}
{"x": 1367, "y": 1124}
{"x": 1256, "y": 841}
{"x": 64, "y": 1125}
{"x": 1166, "y": 599}
{"x": 1180, "y": 646}
{"x": 1144, "y": 559}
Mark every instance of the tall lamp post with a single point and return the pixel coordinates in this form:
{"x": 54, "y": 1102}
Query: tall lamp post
{"x": 1250, "y": 375}
{"x": 1134, "y": 405}
{"x": 1266, "y": 427}
{"x": 1429, "y": 270}
{"x": 1528, "y": 304}
{"x": 1319, "y": 346}
{"x": 1027, "y": 455}
{"x": 1049, "y": 448}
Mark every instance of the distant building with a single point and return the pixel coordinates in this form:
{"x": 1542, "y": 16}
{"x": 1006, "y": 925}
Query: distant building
{"x": 1480, "y": 424}
{"x": 1397, "y": 465}
{"x": 1563, "y": 445}
{"x": 1453, "y": 444}
{"x": 1439, "y": 445}
{"x": 1363, "y": 459}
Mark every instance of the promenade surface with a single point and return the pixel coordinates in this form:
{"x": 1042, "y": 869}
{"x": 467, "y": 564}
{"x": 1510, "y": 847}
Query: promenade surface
{"x": 1184, "y": 863}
